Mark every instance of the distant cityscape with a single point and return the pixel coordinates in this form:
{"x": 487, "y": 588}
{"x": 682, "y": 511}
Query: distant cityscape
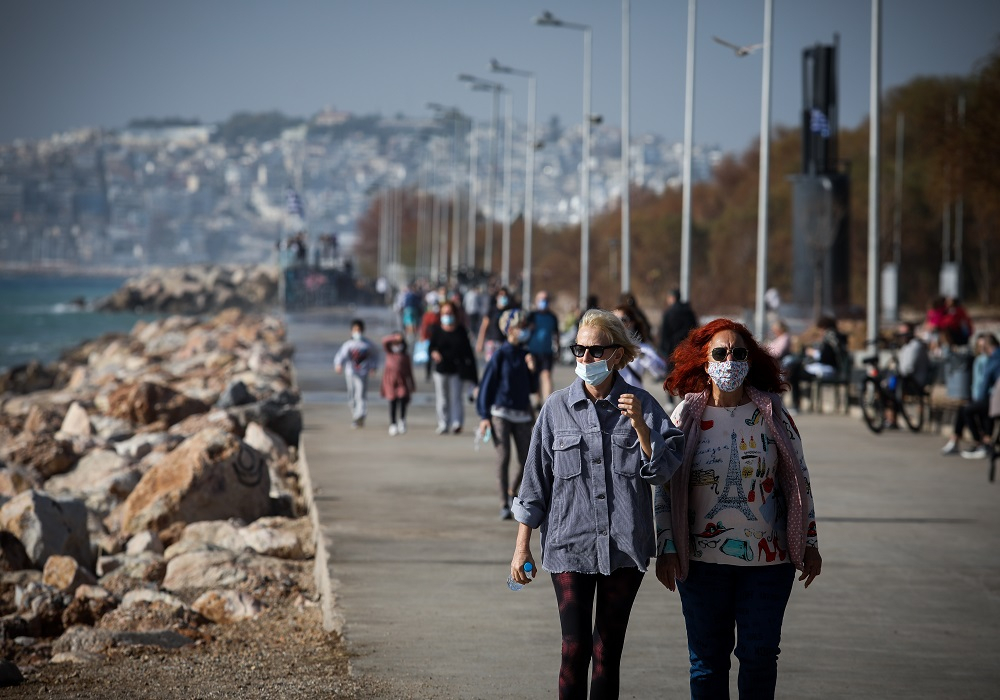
{"x": 170, "y": 192}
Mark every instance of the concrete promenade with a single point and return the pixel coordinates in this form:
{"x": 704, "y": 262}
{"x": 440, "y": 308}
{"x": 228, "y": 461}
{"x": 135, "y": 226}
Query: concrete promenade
{"x": 415, "y": 560}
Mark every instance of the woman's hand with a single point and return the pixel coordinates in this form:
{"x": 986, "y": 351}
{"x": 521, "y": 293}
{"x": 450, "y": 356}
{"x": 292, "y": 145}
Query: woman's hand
{"x": 812, "y": 564}
{"x": 484, "y": 426}
{"x": 517, "y": 566}
{"x": 631, "y": 407}
{"x": 668, "y": 568}
{"x": 436, "y": 356}
{"x": 529, "y": 360}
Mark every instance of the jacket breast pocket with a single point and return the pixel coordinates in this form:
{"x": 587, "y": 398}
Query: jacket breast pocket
{"x": 625, "y": 454}
{"x": 567, "y": 455}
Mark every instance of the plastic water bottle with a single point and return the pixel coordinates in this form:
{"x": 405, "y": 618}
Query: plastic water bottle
{"x": 514, "y": 585}
{"x": 482, "y": 437}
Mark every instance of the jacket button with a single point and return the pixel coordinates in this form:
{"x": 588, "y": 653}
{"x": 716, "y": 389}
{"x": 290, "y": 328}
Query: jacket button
{"x": 600, "y": 497}
{"x": 597, "y": 461}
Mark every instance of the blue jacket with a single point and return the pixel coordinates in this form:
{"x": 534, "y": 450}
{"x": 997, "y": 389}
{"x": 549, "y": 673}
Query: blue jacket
{"x": 990, "y": 375}
{"x": 507, "y": 381}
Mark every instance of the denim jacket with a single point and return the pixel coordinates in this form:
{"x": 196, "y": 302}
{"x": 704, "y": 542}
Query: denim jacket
{"x": 587, "y": 483}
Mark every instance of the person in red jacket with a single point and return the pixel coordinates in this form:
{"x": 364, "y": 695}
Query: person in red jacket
{"x": 397, "y": 380}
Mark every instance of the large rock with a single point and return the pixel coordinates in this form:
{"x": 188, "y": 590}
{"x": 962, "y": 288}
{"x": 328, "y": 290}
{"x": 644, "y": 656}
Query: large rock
{"x": 211, "y": 476}
{"x": 43, "y": 451}
{"x": 148, "y": 402}
{"x": 13, "y": 555}
{"x": 77, "y": 421}
{"x": 48, "y": 526}
{"x": 285, "y": 538}
{"x": 14, "y": 479}
{"x": 102, "y": 479}
{"x": 226, "y": 606}
{"x": 65, "y": 574}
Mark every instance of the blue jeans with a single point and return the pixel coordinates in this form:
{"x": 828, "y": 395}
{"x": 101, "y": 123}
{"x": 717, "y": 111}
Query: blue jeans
{"x": 718, "y": 599}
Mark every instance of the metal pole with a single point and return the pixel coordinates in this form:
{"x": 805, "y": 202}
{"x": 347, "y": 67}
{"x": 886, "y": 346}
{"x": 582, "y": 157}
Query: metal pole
{"x": 626, "y": 149}
{"x": 470, "y": 251}
{"x": 508, "y": 138}
{"x": 456, "y": 211}
{"x": 491, "y": 186}
{"x": 529, "y": 192}
{"x": 873, "y": 174}
{"x": 765, "y": 166}
{"x": 897, "y": 218}
{"x": 585, "y": 184}
{"x": 959, "y": 206}
{"x": 685, "y": 273}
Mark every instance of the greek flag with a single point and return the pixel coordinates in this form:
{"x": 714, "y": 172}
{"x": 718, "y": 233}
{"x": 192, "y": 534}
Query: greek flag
{"x": 819, "y": 124}
{"x": 294, "y": 203}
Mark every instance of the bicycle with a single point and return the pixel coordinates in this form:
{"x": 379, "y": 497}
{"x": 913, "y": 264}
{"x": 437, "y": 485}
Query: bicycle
{"x": 882, "y": 389}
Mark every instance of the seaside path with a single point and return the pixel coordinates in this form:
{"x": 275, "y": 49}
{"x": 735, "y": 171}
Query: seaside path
{"x": 908, "y": 605}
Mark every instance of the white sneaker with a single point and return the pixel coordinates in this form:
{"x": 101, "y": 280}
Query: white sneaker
{"x": 393, "y": 430}
{"x": 977, "y": 453}
{"x": 442, "y": 429}
{"x": 950, "y": 448}
{"x": 401, "y": 427}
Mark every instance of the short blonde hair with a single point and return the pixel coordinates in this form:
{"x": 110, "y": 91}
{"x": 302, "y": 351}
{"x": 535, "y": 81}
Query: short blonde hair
{"x": 613, "y": 327}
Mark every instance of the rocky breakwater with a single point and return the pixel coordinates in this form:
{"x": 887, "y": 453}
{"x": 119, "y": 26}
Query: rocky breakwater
{"x": 197, "y": 289}
{"x": 151, "y": 491}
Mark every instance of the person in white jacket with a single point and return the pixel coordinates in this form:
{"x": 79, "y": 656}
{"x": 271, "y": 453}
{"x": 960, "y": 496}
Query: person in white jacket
{"x": 356, "y": 359}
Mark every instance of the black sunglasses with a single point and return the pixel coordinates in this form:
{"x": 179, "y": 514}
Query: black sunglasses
{"x": 596, "y": 351}
{"x": 739, "y": 354}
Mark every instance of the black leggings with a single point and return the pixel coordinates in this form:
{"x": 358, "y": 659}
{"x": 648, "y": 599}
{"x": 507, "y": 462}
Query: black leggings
{"x": 402, "y": 404}
{"x": 604, "y": 641}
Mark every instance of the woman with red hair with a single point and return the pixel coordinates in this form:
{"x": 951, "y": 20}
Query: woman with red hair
{"x": 737, "y": 518}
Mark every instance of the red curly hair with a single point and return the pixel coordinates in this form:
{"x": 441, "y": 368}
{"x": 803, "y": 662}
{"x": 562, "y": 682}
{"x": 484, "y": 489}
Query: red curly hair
{"x": 689, "y": 358}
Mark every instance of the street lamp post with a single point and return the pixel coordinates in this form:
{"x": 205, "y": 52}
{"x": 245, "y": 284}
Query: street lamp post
{"x": 685, "y": 276}
{"x": 546, "y": 19}
{"x": 529, "y": 174}
{"x": 626, "y": 149}
{"x": 765, "y": 161}
{"x": 482, "y": 85}
{"x": 454, "y": 115}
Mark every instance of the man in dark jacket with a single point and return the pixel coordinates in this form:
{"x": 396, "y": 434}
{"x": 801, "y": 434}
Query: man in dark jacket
{"x": 678, "y": 320}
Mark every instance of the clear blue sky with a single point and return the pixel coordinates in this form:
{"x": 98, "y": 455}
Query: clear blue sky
{"x": 103, "y": 62}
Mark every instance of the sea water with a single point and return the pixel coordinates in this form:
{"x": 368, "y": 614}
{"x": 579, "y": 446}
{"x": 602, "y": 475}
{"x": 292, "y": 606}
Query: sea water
{"x": 42, "y": 315}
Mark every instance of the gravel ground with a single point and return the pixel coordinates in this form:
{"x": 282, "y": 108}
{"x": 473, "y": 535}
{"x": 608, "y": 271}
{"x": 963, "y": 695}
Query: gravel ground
{"x": 283, "y": 653}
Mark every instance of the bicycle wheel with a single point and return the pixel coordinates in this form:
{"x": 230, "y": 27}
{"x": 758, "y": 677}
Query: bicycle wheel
{"x": 872, "y": 405}
{"x": 912, "y": 408}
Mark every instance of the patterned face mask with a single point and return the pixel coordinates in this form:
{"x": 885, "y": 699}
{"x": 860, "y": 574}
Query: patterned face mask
{"x": 728, "y": 376}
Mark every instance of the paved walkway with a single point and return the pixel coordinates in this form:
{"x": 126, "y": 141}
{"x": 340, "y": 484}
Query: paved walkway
{"x": 908, "y": 605}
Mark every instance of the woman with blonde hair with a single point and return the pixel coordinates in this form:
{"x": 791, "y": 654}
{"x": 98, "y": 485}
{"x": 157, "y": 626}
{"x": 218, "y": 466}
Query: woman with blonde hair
{"x": 596, "y": 449}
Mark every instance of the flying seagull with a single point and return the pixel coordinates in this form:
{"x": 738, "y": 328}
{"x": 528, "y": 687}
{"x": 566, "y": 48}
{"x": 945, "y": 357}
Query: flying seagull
{"x": 739, "y": 50}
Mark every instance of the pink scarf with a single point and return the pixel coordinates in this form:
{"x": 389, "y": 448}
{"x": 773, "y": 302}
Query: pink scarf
{"x": 788, "y": 472}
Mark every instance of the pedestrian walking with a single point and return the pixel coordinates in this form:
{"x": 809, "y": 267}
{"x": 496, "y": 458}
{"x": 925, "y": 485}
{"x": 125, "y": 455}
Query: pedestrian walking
{"x": 356, "y": 359}
{"x": 454, "y": 363}
{"x": 596, "y": 448}
{"x": 737, "y": 518}
{"x": 504, "y": 403}
{"x": 543, "y": 343}
{"x": 397, "y": 381}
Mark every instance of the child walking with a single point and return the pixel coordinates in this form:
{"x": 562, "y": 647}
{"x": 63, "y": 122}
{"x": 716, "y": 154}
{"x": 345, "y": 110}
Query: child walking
{"x": 355, "y": 359}
{"x": 397, "y": 380}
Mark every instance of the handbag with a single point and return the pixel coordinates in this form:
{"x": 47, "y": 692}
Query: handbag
{"x": 421, "y": 352}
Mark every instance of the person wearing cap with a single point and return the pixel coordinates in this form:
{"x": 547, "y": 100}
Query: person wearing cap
{"x": 504, "y": 403}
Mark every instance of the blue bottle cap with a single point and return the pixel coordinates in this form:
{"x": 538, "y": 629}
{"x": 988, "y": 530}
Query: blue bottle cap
{"x": 527, "y": 566}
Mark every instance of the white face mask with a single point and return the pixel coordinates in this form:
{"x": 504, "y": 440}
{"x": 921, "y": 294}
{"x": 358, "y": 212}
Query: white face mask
{"x": 729, "y": 375}
{"x": 356, "y": 335}
{"x": 593, "y": 373}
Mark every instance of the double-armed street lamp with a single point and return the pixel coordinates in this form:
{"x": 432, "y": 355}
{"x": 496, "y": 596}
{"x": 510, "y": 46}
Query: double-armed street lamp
{"x": 483, "y": 85}
{"x": 546, "y": 19}
{"x": 529, "y": 174}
